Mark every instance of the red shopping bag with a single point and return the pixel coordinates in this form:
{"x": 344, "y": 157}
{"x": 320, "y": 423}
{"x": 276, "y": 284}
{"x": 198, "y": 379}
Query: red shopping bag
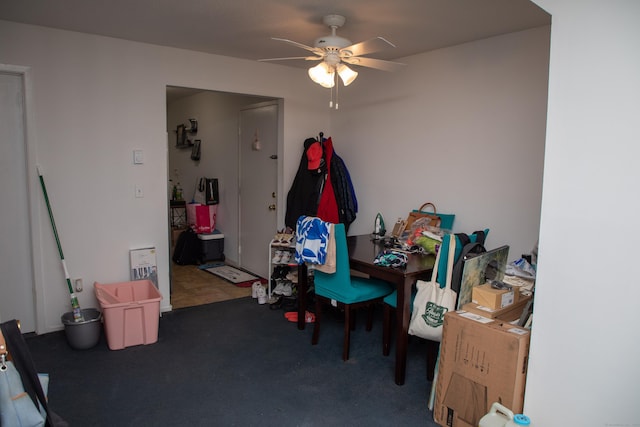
{"x": 191, "y": 213}
{"x": 206, "y": 218}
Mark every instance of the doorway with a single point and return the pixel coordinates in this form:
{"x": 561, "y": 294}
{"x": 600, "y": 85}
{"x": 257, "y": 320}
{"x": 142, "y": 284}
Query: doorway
{"x": 217, "y": 115}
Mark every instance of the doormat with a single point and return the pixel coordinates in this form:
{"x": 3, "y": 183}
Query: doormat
{"x": 233, "y": 275}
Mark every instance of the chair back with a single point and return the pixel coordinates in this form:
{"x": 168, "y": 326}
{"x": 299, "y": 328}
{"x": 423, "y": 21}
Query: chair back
{"x": 443, "y": 266}
{"x": 341, "y": 279}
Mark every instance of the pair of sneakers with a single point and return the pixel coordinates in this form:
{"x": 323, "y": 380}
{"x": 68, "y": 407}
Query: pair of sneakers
{"x": 281, "y": 257}
{"x": 283, "y": 287}
{"x": 283, "y": 238}
{"x": 259, "y": 292}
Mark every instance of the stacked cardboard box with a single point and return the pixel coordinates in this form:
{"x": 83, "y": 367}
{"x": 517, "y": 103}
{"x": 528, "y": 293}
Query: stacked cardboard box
{"x": 495, "y": 299}
{"x": 508, "y": 313}
{"x": 482, "y": 361}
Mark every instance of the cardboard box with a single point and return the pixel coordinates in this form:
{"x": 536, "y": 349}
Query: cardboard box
{"x": 509, "y": 313}
{"x": 481, "y": 361}
{"x": 495, "y": 299}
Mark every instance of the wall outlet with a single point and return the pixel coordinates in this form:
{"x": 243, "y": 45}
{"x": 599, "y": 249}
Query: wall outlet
{"x": 78, "y": 284}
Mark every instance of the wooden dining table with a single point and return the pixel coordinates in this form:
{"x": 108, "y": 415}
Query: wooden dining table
{"x": 362, "y": 252}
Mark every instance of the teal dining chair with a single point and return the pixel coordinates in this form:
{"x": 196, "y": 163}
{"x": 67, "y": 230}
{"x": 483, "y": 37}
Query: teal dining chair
{"x": 342, "y": 290}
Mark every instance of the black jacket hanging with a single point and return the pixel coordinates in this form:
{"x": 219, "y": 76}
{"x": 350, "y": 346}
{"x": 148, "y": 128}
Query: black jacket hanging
{"x": 304, "y": 194}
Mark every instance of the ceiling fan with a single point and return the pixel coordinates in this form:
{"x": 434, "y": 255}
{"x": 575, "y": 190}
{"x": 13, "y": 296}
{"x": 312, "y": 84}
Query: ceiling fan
{"x": 335, "y": 52}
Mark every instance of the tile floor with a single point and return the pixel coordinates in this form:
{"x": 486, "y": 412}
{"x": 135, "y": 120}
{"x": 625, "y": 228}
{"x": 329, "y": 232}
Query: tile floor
{"x": 191, "y": 286}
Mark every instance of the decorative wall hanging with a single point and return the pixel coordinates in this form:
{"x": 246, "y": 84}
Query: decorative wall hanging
{"x": 255, "y": 145}
{"x": 195, "y": 151}
{"x": 181, "y": 136}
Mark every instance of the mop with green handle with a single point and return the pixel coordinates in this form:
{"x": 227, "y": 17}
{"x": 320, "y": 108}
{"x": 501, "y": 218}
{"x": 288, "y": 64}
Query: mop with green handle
{"x": 77, "y": 313}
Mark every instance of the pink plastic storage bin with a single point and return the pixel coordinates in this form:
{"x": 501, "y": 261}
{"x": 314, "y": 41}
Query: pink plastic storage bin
{"x": 131, "y": 312}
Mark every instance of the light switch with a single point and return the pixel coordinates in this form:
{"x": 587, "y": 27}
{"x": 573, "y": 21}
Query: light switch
{"x": 139, "y": 192}
{"x": 138, "y": 157}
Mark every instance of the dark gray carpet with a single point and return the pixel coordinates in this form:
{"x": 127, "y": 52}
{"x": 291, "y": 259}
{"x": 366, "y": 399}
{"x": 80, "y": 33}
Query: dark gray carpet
{"x": 235, "y": 363}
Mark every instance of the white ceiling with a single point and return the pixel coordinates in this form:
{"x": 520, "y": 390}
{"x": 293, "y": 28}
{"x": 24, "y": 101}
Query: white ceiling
{"x": 243, "y": 28}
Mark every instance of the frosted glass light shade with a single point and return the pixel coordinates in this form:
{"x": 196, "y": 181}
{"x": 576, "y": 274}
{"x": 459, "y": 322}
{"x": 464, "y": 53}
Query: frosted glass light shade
{"x": 323, "y": 75}
{"x": 346, "y": 74}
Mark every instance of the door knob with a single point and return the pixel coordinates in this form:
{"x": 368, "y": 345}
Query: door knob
{"x": 272, "y": 207}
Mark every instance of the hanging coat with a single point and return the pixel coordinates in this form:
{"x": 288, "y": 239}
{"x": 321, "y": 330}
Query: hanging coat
{"x": 304, "y": 194}
{"x": 343, "y": 189}
{"x": 328, "y": 207}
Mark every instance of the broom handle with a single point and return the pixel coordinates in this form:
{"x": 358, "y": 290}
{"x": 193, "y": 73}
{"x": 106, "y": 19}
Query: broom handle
{"x": 77, "y": 313}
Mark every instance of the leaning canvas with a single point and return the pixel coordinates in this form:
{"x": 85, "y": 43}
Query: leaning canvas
{"x": 490, "y": 265}
{"x": 143, "y": 265}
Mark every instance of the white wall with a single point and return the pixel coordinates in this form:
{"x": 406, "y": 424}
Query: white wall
{"x": 95, "y": 100}
{"x": 461, "y": 127}
{"x": 584, "y": 368}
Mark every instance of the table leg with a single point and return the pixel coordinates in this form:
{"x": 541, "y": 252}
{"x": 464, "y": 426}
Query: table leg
{"x": 302, "y": 294}
{"x": 403, "y": 315}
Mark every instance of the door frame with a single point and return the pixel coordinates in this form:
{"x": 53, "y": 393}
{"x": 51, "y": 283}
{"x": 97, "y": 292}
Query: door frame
{"x": 33, "y": 198}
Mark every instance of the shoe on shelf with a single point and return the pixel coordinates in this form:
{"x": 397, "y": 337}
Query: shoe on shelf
{"x": 287, "y": 290}
{"x": 262, "y": 295}
{"x": 286, "y": 239}
{"x": 277, "y": 257}
{"x": 293, "y": 276}
{"x": 279, "y": 289}
{"x": 285, "y": 258}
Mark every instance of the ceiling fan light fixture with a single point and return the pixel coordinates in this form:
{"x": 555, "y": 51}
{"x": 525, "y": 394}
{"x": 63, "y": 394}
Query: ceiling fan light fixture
{"x": 322, "y": 74}
{"x": 347, "y": 75}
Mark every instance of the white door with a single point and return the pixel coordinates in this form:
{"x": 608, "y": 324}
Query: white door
{"x": 257, "y": 187}
{"x": 17, "y": 299}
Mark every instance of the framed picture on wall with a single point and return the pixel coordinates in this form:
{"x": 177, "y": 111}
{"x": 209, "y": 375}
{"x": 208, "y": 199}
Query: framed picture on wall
{"x": 181, "y": 136}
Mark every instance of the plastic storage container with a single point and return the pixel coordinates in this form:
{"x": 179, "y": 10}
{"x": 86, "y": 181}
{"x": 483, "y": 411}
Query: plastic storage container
{"x": 84, "y": 334}
{"x": 212, "y": 246}
{"x": 498, "y": 416}
{"x": 518, "y": 421}
{"x": 131, "y": 312}
{"x": 501, "y": 416}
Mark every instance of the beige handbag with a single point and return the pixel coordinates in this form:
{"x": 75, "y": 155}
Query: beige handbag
{"x": 420, "y": 213}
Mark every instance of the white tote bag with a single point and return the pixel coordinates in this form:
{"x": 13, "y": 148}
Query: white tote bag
{"x": 432, "y": 302}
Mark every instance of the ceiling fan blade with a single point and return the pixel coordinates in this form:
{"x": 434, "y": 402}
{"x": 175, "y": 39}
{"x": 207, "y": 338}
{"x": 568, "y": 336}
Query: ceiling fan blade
{"x": 368, "y": 46}
{"x": 307, "y": 58}
{"x": 315, "y": 50}
{"x": 374, "y": 63}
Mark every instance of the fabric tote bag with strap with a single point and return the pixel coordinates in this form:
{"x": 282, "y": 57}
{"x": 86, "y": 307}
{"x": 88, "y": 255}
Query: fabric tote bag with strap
{"x": 23, "y": 392}
{"x": 432, "y": 302}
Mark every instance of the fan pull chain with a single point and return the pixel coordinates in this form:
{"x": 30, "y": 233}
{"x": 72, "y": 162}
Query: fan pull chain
{"x": 337, "y": 84}
{"x": 331, "y": 98}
